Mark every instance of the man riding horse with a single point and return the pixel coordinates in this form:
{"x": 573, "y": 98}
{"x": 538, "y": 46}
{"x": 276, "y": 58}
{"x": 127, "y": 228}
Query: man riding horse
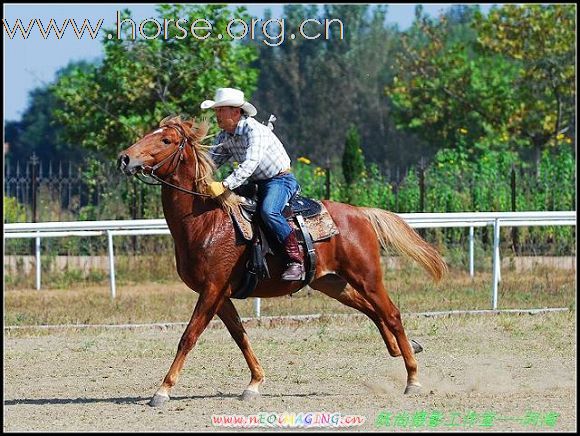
{"x": 209, "y": 258}
{"x": 263, "y": 160}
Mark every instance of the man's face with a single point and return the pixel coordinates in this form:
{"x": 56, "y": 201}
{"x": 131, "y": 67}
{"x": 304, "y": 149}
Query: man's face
{"x": 228, "y": 117}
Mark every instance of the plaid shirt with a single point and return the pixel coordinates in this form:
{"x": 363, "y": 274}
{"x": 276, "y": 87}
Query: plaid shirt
{"x": 260, "y": 152}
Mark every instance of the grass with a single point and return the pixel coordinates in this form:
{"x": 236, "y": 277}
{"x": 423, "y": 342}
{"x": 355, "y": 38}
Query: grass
{"x": 171, "y": 301}
{"x": 128, "y": 269}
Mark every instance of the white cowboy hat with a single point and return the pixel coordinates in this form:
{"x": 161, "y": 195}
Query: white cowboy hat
{"x": 230, "y": 97}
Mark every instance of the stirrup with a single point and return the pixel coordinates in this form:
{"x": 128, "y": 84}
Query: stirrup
{"x": 287, "y": 275}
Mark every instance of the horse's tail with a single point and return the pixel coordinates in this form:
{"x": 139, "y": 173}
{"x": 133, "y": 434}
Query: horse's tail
{"x": 392, "y": 230}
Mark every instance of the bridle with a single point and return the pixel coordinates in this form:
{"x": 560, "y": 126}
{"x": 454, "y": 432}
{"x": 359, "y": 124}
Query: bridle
{"x": 172, "y": 156}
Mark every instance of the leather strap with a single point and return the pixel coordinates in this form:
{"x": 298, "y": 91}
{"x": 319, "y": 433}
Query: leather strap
{"x": 310, "y": 253}
{"x": 256, "y": 269}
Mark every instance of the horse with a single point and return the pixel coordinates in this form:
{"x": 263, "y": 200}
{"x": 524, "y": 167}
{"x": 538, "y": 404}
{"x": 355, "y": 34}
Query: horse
{"x": 212, "y": 263}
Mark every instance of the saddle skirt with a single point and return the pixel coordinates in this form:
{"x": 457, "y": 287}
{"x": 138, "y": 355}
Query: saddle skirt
{"x": 320, "y": 224}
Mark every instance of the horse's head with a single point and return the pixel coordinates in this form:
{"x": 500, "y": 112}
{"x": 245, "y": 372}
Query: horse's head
{"x": 160, "y": 151}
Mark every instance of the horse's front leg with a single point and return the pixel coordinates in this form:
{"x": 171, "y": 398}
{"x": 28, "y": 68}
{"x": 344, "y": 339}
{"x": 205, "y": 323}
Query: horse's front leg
{"x": 229, "y": 315}
{"x": 208, "y": 304}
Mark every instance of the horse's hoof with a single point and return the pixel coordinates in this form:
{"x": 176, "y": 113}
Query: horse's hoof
{"x": 248, "y": 395}
{"x": 417, "y": 347}
{"x": 413, "y": 389}
{"x": 158, "y": 400}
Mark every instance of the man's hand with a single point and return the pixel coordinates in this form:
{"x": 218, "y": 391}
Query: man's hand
{"x": 216, "y": 189}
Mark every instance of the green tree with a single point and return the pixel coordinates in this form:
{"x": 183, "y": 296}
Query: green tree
{"x": 141, "y": 81}
{"x": 443, "y": 90}
{"x": 541, "y": 41}
{"x": 317, "y": 87}
{"x": 353, "y": 161}
{"x": 285, "y": 81}
{"x": 446, "y": 86}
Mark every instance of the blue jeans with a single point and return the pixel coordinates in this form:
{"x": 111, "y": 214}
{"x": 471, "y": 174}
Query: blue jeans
{"x": 273, "y": 194}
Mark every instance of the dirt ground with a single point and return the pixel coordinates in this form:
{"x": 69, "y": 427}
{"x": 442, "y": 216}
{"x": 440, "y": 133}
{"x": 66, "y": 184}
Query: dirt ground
{"x": 479, "y": 373}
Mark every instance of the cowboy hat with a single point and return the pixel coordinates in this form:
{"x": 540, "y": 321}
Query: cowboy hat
{"x": 230, "y": 97}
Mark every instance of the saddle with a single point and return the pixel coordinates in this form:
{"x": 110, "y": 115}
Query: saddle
{"x": 309, "y": 218}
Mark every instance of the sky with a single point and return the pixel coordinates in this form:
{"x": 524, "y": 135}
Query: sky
{"x": 32, "y": 61}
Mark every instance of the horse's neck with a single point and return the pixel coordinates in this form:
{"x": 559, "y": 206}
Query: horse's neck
{"x": 178, "y": 205}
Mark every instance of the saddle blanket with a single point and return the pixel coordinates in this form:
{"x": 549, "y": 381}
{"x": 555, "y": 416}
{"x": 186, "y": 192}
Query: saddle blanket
{"x": 321, "y": 226}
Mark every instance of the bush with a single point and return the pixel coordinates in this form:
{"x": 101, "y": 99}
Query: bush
{"x": 14, "y": 212}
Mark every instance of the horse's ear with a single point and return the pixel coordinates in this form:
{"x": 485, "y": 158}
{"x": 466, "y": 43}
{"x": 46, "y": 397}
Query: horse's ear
{"x": 166, "y": 120}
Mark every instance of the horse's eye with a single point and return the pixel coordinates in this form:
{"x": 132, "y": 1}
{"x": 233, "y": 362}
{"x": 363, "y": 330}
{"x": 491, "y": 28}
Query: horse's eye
{"x": 166, "y": 141}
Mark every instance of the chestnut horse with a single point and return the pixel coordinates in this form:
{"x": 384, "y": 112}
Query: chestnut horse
{"x": 211, "y": 263}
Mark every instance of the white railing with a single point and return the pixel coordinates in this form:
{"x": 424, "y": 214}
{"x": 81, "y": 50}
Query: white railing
{"x": 416, "y": 220}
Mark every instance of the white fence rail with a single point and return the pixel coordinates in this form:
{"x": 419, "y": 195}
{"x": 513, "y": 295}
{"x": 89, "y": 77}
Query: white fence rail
{"x": 416, "y": 220}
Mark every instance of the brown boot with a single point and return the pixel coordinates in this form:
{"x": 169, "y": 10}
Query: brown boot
{"x": 294, "y": 270}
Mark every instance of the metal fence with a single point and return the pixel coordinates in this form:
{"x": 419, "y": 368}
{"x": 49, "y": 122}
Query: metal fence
{"x": 69, "y": 186}
{"x": 417, "y": 220}
{"x": 59, "y": 181}
{"x": 48, "y": 191}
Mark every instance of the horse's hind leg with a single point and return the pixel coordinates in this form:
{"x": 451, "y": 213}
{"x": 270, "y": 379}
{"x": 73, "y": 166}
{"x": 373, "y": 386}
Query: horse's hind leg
{"x": 352, "y": 298}
{"x": 340, "y": 290}
{"x": 369, "y": 283}
{"x": 229, "y": 315}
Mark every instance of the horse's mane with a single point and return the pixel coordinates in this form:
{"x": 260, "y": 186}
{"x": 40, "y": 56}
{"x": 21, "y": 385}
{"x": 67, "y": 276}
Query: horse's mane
{"x": 195, "y": 132}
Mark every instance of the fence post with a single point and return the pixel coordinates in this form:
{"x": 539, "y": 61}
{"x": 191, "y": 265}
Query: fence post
{"x": 422, "y": 191}
{"x": 514, "y": 229}
{"x": 134, "y": 209}
{"x": 257, "y": 307}
{"x": 422, "y": 185}
{"x": 38, "y": 269}
{"x": 496, "y": 263}
{"x": 33, "y": 162}
{"x": 471, "y": 253}
{"x": 34, "y": 245}
{"x": 111, "y": 264}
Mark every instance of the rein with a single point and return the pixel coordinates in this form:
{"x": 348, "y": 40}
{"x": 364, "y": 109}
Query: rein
{"x": 172, "y": 156}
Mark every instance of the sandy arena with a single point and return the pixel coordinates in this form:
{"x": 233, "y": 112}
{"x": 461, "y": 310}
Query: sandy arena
{"x": 479, "y": 373}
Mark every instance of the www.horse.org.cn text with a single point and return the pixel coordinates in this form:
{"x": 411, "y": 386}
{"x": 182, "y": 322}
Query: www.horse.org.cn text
{"x": 271, "y": 32}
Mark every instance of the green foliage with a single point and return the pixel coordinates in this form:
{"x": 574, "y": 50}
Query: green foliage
{"x": 14, "y": 212}
{"x": 475, "y": 95}
{"x": 455, "y": 182}
{"x": 540, "y": 39}
{"x": 512, "y": 75}
{"x": 353, "y": 161}
{"x": 317, "y": 87}
{"x": 141, "y": 81}
{"x": 371, "y": 190}
{"x": 312, "y": 179}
